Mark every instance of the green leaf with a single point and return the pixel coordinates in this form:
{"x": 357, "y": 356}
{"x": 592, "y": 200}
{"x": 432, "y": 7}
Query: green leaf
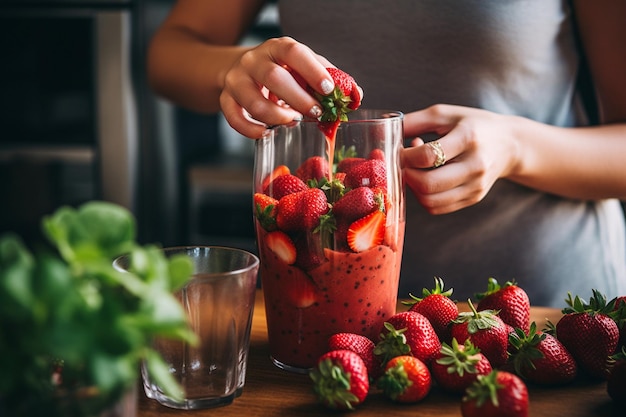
{"x": 160, "y": 374}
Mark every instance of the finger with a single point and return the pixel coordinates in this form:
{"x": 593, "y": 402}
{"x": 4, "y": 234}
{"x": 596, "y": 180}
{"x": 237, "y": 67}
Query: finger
{"x": 282, "y": 84}
{"x": 303, "y": 61}
{"x": 439, "y": 119}
{"x": 433, "y": 154}
{"x": 248, "y": 95}
{"x": 444, "y": 191}
{"x": 239, "y": 120}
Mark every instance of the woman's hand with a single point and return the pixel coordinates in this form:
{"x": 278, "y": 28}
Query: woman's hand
{"x": 478, "y": 147}
{"x": 260, "y": 90}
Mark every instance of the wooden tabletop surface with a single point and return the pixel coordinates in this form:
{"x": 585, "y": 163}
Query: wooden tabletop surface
{"x": 270, "y": 391}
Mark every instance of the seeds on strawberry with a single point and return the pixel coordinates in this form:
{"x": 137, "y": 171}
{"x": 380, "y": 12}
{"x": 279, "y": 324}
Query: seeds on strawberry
{"x": 407, "y": 333}
{"x": 284, "y": 185}
{"x": 498, "y": 394}
{"x": 301, "y": 210}
{"x": 541, "y": 358}
{"x": 589, "y": 333}
{"x": 357, "y": 203}
{"x": 369, "y": 173}
{"x": 510, "y": 300}
{"x": 340, "y": 380}
{"x": 406, "y": 379}
{"x": 313, "y": 168}
{"x": 486, "y": 331}
{"x": 367, "y": 232}
{"x": 360, "y": 344}
{"x": 437, "y": 306}
{"x": 277, "y": 172}
{"x": 456, "y": 366}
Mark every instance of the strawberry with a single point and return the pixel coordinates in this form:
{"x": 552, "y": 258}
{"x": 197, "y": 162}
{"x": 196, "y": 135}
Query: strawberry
{"x": 313, "y": 168}
{"x": 616, "y": 381}
{"x": 376, "y": 154}
{"x": 406, "y": 379}
{"x": 408, "y": 333}
{"x": 265, "y": 210}
{"x": 486, "y": 331}
{"x": 367, "y": 232}
{"x": 309, "y": 251}
{"x": 340, "y": 379}
{"x": 284, "y": 185}
{"x": 437, "y": 306}
{"x": 498, "y": 394}
{"x": 301, "y": 210}
{"x": 360, "y": 344}
{"x": 276, "y": 172}
{"x": 299, "y": 290}
{"x": 369, "y": 173}
{"x": 357, "y": 203}
{"x": 456, "y": 366}
{"x": 347, "y": 163}
{"x": 510, "y": 299}
{"x": 281, "y": 244}
{"x": 589, "y": 333}
{"x": 540, "y": 358}
{"x": 344, "y": 98}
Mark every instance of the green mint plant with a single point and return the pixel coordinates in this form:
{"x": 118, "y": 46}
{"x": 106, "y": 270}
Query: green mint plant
{"x": 74, "y": 329}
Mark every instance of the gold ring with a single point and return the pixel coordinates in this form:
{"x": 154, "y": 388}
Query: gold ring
{"x": 441, "y": 157}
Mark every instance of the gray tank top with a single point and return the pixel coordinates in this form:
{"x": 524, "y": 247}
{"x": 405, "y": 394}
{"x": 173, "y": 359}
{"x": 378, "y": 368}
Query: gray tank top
{"x": 508, "y": 56}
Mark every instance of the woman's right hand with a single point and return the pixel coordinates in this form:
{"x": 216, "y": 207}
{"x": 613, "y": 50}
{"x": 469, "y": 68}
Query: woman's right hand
{"x": 260, "y": 89}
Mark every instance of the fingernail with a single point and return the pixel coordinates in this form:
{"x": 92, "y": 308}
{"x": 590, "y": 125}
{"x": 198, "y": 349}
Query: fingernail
{"x": 327, "y": 86}
{"x": 315, "y": 111}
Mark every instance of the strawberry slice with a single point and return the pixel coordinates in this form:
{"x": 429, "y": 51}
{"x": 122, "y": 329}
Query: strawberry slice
{"x": 299, "y": 290}
{"x": 277, "y": 172}
{"x": 281, "y": 244}
{"x": 367, "y": 232}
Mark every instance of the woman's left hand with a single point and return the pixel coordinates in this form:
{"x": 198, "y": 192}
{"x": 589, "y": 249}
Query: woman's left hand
{"x": 476, "y": 147}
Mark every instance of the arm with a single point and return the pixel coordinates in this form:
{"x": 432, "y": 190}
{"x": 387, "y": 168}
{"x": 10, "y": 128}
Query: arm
{"x": 586, "y": 162}
{"x": 194, "y": 61}
{"x": 577, "y": 163}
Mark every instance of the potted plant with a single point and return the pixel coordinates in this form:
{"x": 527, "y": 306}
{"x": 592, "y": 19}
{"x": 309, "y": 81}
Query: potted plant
{"x": 73, "y": 329}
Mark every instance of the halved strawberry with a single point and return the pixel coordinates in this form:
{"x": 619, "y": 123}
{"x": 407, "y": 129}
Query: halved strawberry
{"x": 367, "y": 232}
{"x": 277, "y": 172}
{"x": 265, "y": 210}
{"x": 282, "y": 246}
{"x": 299, "y": 290}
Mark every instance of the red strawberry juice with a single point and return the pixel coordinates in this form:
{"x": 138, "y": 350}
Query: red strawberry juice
{"x": 352, "y": 292}
{"x": 343, "y": 278}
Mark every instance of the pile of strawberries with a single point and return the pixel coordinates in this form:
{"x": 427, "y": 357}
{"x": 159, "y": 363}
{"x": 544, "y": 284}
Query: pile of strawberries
{"x": 487, "y": 354}
{"x": 347, "y": 213}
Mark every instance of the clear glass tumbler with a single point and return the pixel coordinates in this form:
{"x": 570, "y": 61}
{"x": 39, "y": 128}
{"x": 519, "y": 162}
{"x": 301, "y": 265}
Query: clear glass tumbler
{"x": 219, "y": 301}
{"x": 329, "y": 216}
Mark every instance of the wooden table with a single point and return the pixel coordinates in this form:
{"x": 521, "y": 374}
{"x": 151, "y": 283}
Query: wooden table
{"x": 270, "y": 391}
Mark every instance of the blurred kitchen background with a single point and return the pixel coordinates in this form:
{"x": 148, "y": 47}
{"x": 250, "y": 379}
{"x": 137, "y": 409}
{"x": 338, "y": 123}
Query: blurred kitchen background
{"x": 79, "y": 122}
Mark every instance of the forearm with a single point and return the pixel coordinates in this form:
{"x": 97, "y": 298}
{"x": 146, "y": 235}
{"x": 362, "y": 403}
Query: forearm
{"x": 580, "y": 163}
{"x": 188, "y": 71}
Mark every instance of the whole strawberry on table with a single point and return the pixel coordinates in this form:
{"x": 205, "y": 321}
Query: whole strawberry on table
{"x": 534, "y": 358}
